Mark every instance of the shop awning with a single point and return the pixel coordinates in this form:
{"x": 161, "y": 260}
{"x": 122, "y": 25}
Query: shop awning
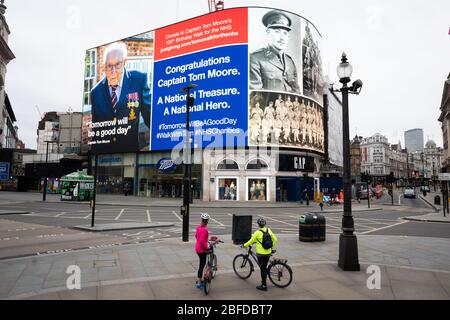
{"x": 78, "y": 176}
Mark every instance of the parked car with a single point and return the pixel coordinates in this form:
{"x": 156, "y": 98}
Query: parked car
{"x": 364, "y": 193}
{"x": 424, "y": 188}
{"x": 409, "y": 192}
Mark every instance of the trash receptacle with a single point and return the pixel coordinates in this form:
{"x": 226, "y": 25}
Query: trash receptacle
{"x": 437, "y": 200}
{"x": 312, "y": 227}
{"x": 242, "y": 228}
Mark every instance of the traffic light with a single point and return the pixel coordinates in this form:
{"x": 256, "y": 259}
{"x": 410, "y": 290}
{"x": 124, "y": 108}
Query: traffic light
{"x": 390, "y": 178}
{"x": 363, "y": 177}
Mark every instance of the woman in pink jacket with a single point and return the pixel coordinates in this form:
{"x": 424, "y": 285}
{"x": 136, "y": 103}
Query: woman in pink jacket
{"x": 201, "y": 246}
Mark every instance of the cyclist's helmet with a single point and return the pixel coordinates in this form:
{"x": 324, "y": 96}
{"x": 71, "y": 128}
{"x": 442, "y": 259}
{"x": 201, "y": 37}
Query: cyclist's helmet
{"x": 261, "y": 221}
{"x": 205, "y": 216}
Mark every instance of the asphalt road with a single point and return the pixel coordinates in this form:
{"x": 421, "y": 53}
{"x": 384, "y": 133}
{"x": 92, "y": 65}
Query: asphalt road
{"x": 49, "y": 227}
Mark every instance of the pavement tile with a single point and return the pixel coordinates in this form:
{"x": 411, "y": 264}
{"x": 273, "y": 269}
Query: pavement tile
{"x": 57, "y": 274}
{"x": 23, "y": 289}
{"x": 416, "y": 277}
{"x": 6, "y": 287}
{"x": 31, "y": 280}
{"x": 404, "y": 290}
{"x": 89, "y": 277}
{"x": 243, "y": 294}
{"x": 64, "y": 263}
{"x": 89, "y": 293}
{"x": 46, "y": 296}
{"x": 54, "y": 284}
{"x": 384, "y": 293}
{"x": 111, "y": 273}
{"x": 11, "y": 275}
{"x": 331, "y": 289}
{"x": 444, "y": 280}
{"x": 132, "y": 291}
{"x": 134, "y": 273}
{"x": 174, "y": 289}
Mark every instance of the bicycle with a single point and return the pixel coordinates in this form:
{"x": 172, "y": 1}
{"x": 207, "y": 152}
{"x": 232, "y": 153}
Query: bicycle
{"x": 279, "y": 272}
{"x": 211, "y": 264}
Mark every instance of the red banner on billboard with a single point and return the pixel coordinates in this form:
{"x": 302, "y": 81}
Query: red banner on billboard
{"x": 208, "y": 31}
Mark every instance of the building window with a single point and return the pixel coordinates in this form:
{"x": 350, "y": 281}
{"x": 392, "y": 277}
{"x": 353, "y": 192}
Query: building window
{"x": 89, "y": 75}
{"x": 227, "y": 188}
{"x": 257, "y": 189}
{"x": 257, "y": 164}
{"x": 227, "y": 164}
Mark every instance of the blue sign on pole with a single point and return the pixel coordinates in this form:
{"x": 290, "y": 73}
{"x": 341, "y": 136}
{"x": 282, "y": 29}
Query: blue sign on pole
{"x": 4, "y": 171}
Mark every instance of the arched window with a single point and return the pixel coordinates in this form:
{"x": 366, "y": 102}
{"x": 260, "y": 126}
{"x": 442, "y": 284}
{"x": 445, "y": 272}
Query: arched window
{"x": 227, "y": 164}
{"x": 257, "y": 164}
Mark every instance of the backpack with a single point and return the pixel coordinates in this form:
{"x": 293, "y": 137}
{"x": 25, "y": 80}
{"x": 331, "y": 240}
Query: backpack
{"x": 267, "y": 242}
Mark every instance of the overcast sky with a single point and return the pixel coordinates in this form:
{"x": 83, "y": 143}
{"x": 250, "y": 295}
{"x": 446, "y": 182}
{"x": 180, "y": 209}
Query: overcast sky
{"x": 399, "y": 49}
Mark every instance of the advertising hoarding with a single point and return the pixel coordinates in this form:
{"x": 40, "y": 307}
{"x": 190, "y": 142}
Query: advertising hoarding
{"x": 258, "y": 76}
{"x": 334, "y": 126}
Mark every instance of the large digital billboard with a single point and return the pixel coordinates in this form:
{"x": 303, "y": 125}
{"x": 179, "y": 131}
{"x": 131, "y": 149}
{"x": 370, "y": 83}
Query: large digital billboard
{"x": 258, "y": 78}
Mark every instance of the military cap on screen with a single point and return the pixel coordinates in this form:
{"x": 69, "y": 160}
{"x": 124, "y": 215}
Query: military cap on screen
{"x": 277, "y": 19}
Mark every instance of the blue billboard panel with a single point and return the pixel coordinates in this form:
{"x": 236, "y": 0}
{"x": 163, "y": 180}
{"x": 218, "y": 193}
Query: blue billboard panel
{"x": 4, "y": 171}
{"x": 220, "y": 107}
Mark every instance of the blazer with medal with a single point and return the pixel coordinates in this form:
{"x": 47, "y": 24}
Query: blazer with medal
{"x": 134, "y": 100}
{"x": 269, "y": 71}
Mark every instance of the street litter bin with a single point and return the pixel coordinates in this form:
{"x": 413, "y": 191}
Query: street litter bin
{"x": 312, "y": 227}
{"x": 437, "y": 200}
{"x": 242, "y": 228}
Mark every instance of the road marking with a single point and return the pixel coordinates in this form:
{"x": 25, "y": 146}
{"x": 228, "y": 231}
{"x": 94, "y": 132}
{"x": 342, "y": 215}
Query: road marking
{"x": 149, "y": 219}
{"x": 90, "y": 214}
{"x": 219, "y": 223}
{"x": 121, "y": 211}
{"x": 393, "y": 225}
{"x": 331, "y": 226}
{"x": 177, "y": 216}
{"x": 60, "y": 214}
{"x": 278, "y": 220}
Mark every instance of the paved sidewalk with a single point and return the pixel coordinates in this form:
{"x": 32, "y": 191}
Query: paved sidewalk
{"x": 438, "y": 215}
{"x": 411, "y": 268}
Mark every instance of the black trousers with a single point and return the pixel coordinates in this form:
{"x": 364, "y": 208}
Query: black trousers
{"x": 201, "y": 266}
{"x": 263, "y": 260}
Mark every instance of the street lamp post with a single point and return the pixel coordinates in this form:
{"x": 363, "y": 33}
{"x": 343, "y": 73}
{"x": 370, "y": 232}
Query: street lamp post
{"x": 423, "y": 169}
{"x": 348, "y": 245}
{"x": 187, "y": 166}
{"x": 434, "y": 178}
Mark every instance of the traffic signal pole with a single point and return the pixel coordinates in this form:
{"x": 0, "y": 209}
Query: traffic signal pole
{"x": 392, "y": 192}
{"x": 94, "y": 195}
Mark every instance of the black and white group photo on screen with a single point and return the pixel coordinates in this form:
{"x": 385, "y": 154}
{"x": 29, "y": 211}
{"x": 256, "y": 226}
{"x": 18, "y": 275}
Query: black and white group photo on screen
{"x": 286, "y": 120}
{"x": 275, "y": 61}
{"x": 313, "y": 81}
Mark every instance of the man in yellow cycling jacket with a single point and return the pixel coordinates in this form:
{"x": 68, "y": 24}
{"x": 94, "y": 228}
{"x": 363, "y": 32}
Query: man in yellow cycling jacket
{"x": 262, "y": 254}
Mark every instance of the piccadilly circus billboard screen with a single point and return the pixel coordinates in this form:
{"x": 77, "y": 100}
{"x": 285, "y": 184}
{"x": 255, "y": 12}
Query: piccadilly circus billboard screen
{"x": 258, "y": 77}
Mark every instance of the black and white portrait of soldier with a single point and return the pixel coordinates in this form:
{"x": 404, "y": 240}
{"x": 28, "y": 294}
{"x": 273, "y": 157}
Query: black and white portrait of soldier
{"x": 274, "y": 61}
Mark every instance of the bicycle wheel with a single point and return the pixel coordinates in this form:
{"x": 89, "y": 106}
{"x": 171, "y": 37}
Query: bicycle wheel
{"x": 280, "y": 274}
{"x": 207, "y": 284}
{"x": 242, "y": 266}
{"x": 213, "y": 266}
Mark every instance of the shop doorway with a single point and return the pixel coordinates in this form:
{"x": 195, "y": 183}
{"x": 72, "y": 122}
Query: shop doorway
{"x": 288, "y": 189}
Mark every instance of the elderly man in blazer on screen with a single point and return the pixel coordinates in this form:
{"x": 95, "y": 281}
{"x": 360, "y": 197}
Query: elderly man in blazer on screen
{"x": 121, "y": 94}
